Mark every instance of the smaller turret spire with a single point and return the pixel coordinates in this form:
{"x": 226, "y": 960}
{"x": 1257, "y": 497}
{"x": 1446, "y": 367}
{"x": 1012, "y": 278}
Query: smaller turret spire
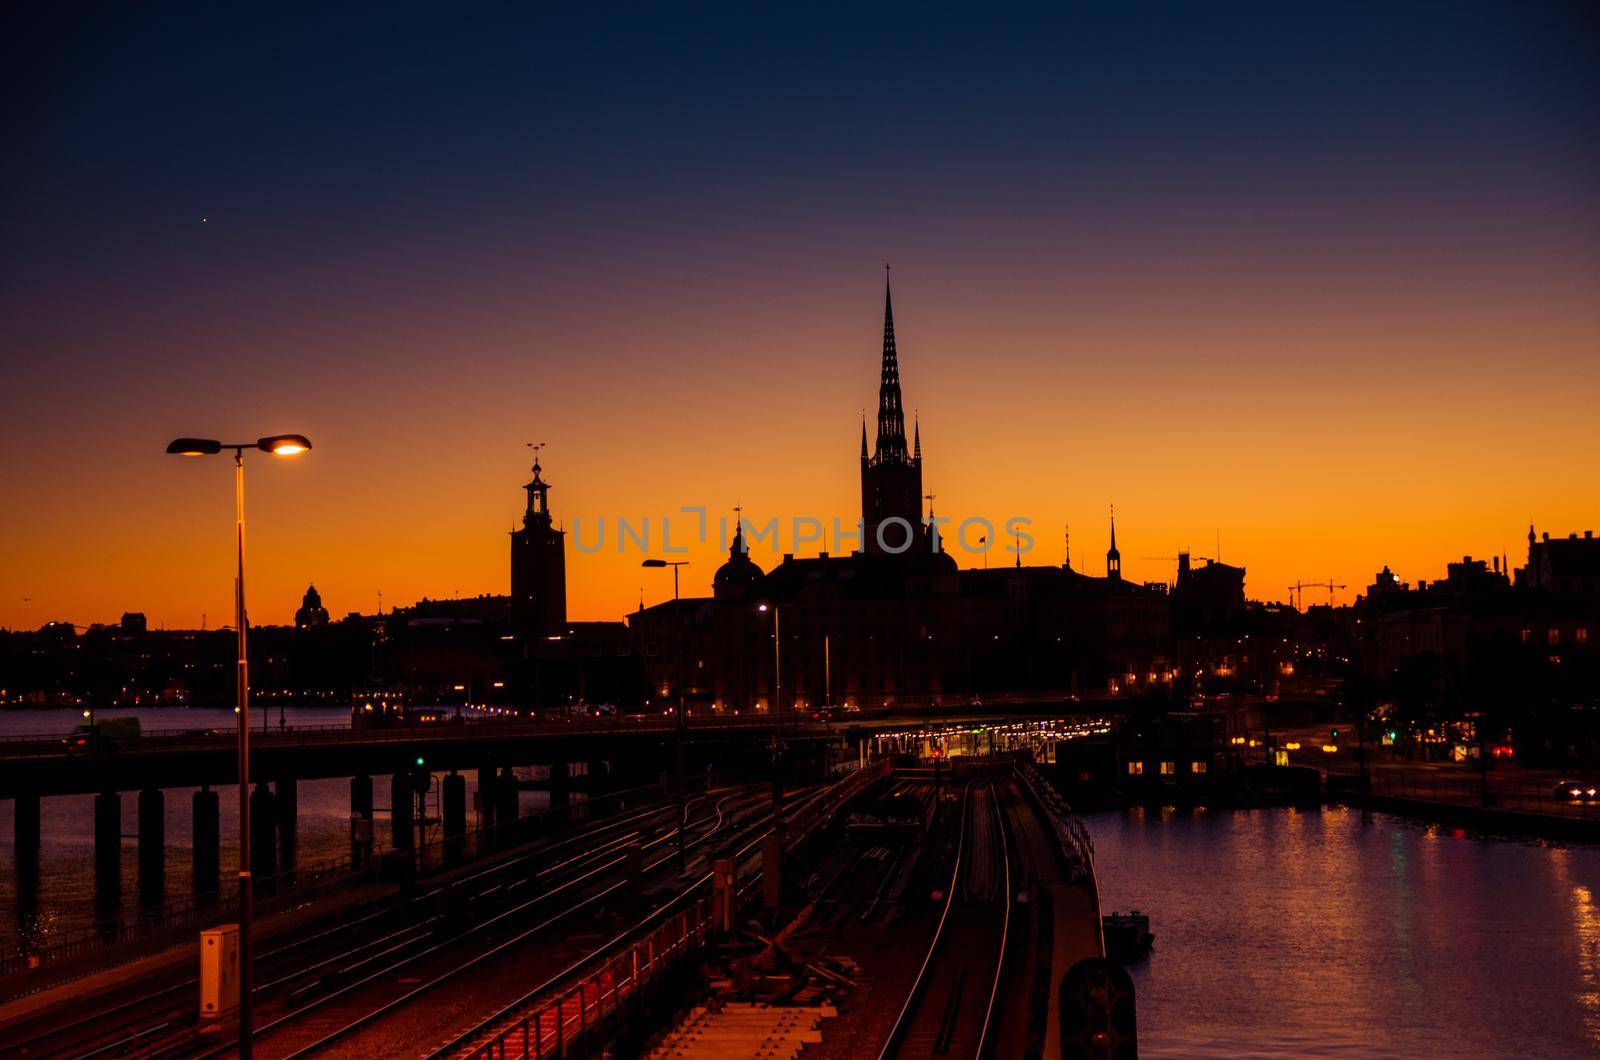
{"x": 916, "y": 434}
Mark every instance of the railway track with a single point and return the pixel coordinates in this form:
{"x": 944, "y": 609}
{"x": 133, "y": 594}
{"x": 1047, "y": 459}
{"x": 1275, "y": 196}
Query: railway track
{"x": 744, "y": 843}
{"x": 158, "y": 1019}
{"x": 313, "y": 1030}
{"x": 953, "y": 1006}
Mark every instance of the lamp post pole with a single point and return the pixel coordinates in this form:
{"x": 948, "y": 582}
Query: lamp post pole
{"x": 682, "y": 816}
{"x": 246, "y": 895}
{"x": 777, "y": 727}
{"x": 674, "y": 564}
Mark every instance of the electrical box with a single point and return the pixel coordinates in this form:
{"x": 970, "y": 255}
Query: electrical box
{"x": 219, "y": 972}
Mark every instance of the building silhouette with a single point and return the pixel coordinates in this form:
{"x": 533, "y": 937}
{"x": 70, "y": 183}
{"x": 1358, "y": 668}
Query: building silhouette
{"x": 896, "y": 620}
{"x": 311, "y": 612}
{"x": 539, "y": 565}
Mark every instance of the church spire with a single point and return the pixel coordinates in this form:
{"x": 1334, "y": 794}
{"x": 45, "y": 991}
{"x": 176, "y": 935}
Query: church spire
{"x": 1113, "y": 557}
{"x": 863, "y": 435}
{"x": 891, "y": 416}
{"x": 916, "y": 433}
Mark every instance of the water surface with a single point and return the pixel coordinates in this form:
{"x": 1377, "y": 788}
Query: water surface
{"x": 1326, "y": 933}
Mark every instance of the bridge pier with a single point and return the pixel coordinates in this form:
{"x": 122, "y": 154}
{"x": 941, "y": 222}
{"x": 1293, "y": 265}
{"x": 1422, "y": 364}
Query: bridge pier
{"x": 25, "y": 829}
{"x": 107, "y": 849}
{"x": 453, "y": 808}
{"x": 400, "y": 803}
{"x": 560, "y": 794}
{"x": 287, "y": 796}
{"x": 360, "y": 819}
{"x": 600, "y": 777}
{"x": 486, "y": 801}
{"x": 206, "y": 820}
{"x": 508, "y": 800}
{"x": 152, "y": 846}
{"x": 263, "y": 836}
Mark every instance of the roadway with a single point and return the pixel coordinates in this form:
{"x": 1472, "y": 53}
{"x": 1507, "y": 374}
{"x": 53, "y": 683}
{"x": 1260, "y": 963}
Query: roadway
{"x": 1512, "y": 786}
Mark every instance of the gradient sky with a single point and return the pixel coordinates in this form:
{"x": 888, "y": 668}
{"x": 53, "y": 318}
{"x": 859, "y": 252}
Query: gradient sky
{"x": 1321, "y": 282}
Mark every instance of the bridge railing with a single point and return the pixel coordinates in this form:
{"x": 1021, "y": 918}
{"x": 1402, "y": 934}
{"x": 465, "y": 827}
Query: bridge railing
{"x": 1070, "y": 831}
{"x": 297, "y": 736}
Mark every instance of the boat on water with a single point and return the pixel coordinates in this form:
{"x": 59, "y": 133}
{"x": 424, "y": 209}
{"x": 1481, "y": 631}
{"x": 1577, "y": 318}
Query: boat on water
{"x": 1128, "y": 937}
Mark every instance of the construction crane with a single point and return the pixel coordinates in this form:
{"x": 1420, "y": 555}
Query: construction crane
{"x": 1297, "y": 592}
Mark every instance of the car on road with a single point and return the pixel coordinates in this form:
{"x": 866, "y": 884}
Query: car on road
{"x": 1577, "y": 791}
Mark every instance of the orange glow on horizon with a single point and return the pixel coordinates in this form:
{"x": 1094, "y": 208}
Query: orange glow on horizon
{"x": 1317, "y": 442}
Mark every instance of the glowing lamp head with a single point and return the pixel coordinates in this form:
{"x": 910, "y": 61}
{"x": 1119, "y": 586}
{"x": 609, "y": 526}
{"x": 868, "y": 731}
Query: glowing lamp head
{"x": 284, "y": 444}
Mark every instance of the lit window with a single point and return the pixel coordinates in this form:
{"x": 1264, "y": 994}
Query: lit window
{"x": 1583, "y": 636}
{"x": 1527, "y": 635}
{"x": 1135, "y": 769}
{"x": 1167, "y": 769}
{"x": 1197, "y": 767}
{"x": 1554, "y": 636}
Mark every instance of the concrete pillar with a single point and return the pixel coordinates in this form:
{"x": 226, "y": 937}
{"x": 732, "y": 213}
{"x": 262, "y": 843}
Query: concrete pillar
{"x": 25, "y": 836}
{"x": 263, "y": 836}
{"x": 725, "y": 890}
{"x": 486, "y": 799}
{"x": 107, "y": 848}
{"x": 560, "y": 794}
{"x": 287, "y": 792}
{"x": 508, "y": 799}
{"x": 600, "y": 778}
{"x": 400, "y": 804}
{"x": 25, "y": 830}
{"x": 360, "y": 819}
{"x": 152, "y": 846}
{"x": 453, "y": 808}
{"x": 206, "y": 820}
{"x": 771, "y": 870}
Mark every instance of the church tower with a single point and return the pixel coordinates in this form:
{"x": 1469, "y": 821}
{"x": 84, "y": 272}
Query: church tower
{"x": 891, "y": 478}
{"x": 1113, "y": 557}
{"x": 539, "y": 565}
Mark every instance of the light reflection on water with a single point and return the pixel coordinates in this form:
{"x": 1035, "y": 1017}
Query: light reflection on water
{"x": 1286, "y": 932}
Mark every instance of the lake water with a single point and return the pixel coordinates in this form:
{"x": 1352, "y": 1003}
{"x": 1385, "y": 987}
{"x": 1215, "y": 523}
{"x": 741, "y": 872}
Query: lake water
{"x": 1329, "y": 933}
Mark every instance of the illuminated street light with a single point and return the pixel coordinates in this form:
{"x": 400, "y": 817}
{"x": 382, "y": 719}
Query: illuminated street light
{"x": 278, "y": 445}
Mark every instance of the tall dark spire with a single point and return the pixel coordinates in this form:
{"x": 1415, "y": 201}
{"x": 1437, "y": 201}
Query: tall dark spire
{"x": 891, "y": 416}
{"x": 1113, "y": 557}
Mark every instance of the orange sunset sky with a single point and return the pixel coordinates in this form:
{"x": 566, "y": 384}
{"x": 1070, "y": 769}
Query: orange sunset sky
{"x": 1337, "y": 306}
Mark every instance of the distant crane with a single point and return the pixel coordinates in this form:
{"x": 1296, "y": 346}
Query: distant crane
{"x": 1297, "y": 592}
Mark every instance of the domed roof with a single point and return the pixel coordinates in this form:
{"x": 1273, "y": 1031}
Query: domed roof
{"x": 740, "y": 575}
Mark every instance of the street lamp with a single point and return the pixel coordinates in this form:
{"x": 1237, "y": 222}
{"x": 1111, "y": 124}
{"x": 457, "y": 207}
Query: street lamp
{"x": 777, "y": 706}
{"x": 674, "y": 564}
{"x": 278, "y": 445}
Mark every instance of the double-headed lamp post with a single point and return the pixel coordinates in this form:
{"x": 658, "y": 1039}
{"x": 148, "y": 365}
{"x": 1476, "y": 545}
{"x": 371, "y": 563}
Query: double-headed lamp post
{"x": 278, "y": 445}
